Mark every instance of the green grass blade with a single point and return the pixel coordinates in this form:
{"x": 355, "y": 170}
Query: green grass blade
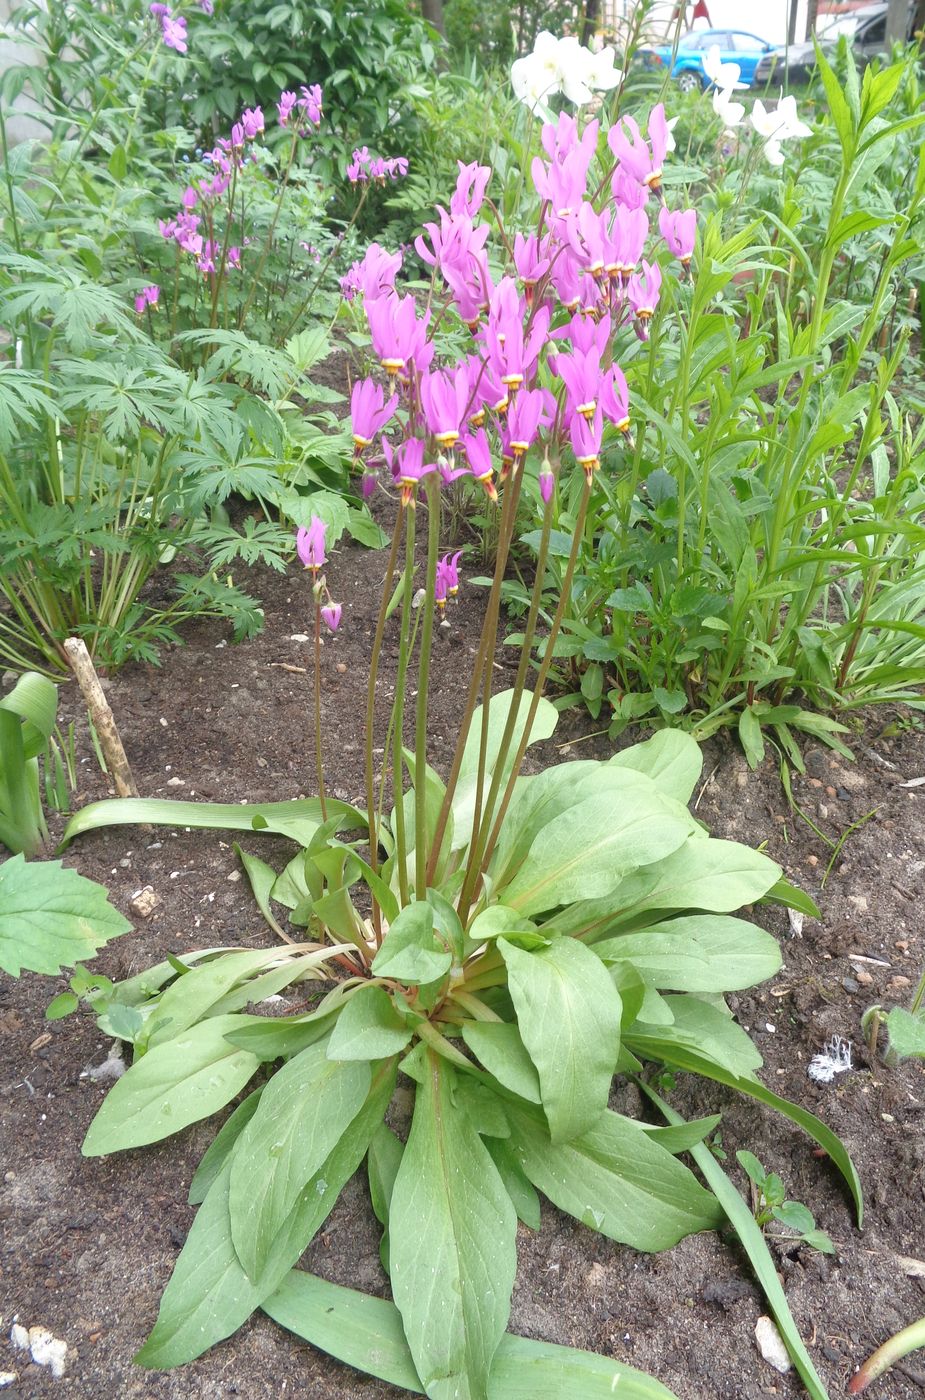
{"x": 366, "y": 1333}
{"x": 753, "y": 1242}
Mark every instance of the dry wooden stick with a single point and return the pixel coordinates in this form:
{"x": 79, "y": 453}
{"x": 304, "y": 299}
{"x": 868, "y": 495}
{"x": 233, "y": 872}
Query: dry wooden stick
{"x": 102, "y": 717}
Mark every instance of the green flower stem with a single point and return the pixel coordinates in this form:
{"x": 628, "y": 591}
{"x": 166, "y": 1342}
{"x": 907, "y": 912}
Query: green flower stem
{"x": 390, "y": 727}
{"x": 432, "y": 487}
{"x": 398, "y": 712}
{"x": 485, "y": 651}
{"x": 918, "y": 998}
{"x": 371, "y": 705}
{"x": 476, "y": 1009}
{"x": 319, "y": 760}
{"x": 479, "y": 841}
{"x": 265, "y": 250}
{"x": 900, "y": 1345}
{"x": 306, "y": 300}
{"x": 541, "y": 677}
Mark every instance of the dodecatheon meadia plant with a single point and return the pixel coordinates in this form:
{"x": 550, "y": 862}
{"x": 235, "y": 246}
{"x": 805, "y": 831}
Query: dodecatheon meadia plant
{"x": 502, "y": 944}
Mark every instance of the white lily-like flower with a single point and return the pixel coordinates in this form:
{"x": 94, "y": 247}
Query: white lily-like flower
{"x": 773, "y": 153}
{"x": 726, "y": 76}
{"x": 562, "y": 65}
{"x": 775, "y": 127}
{"x": 600, "y": 74}
{"x": 730, "y": 113}
{"x": 572, "y": 70}
{"x": 670, "y": 144}
{"x": 787, "y": 112}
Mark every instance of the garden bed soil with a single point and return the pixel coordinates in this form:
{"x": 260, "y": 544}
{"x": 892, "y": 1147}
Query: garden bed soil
{"x": 87, "y": 1245}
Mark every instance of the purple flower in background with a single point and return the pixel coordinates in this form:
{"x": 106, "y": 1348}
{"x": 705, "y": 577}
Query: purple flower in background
{"x": 447, "y": 582}
{"x": 284, "y": 106}
{"x": 174, "y": 32}
{"x": 207, "y": 7}
{"x": 237, "y": 136}
{"x": 679, "y": 230}
{"x": 355, "y": 172}
{"x": 615, "y": 399}
{"x": 586, "y": 442}
{"x": 146, "y": 297}
{"x": 642, "y": 294}
{"x": 331, "y": 613}
{"x": 547, "y": 482}
{"x": 252, "y": 122}
{"x": 158, "y": 10}
{"x": 310, "y": 103}
{"x": 368, "y": 411}
{"x": 310, "y": 544}
{"x": 470, "y": 188}
{"x": 233, "y": 258}
{"x": 190, "y": 198}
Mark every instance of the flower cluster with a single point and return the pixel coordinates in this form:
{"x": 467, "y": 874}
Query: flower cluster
{"x": 310, "y": 543}
{"x": 302, "y": 112}
{"x": 563, "y": 66}
{"x": 367, "y": 167}
{"x": 148, "y": 296}
{"x": 541, "y": 373}
{"x": 173, "y": 27}
{"x": 773, "y": 126}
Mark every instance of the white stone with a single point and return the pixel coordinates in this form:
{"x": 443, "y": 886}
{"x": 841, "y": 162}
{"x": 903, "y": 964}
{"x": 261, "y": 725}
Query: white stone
{"x": 771, "y": 1345}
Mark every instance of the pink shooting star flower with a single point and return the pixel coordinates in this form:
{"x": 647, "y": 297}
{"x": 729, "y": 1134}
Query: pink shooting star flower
{"x": 233, "y": 258}
{"x": 369, "y": 412}
{"x": 615, "y": 399}
{"x": 287, "y": 100}
{"x": 374, "y": 275}
{"x": 471, "y": 184}
{"x": 207, "y": 7}
{"x": 565, "y": 276}
{"x": 398, "y": 336}
{"x": 237, "y": 136}
{"x": 453, "y": 240}
{"x": 561, "y": 141}
{"x": 310, "y": 103}
{"x": 512, "y": 355}
{"x": 444, "y": 398}
{"x": 628, "y": 236}
{"x": 642, "y": 295}
{"x": 589, "y": 238}
{"x": 627, "y": 192}
{"x": 447, "y": 582}
{"x": 396, "y": 167}
{"x": 146, "y": 297}
{"x": 409, "y": 469}
{"x": 679, "y": 230}
{"x": 564, "y": 186}
{"x": 531, "y": 262}
{"x": 587, "y": 334}
{"x": 528, "y": 410}
{"x": 158, "y": 10}
{"x": 581, "y": 373}
{"x": 252, "y": 122}
{"x": 634, "y": 154}
{"x": 478, "y": 453}
{"x": 547, "y": 482}
{"x": 586, "y": 443}
{"x": 471, "y": 285}
{"x": 190, "y": 198}
{"x": 331, "y": 613}
{"x": 310, "y": 544}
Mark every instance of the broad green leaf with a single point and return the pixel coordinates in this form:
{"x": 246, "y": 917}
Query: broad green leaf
{"x": 221, "y": 1147}
{"x": 585, "y": 851}
{"x": 702, "y": 953}
{"x": 907, "y": 1033}
{"x": 718, "y": 876}
{"x": 753, "y": 1242}
{"x": 51, "y": 917}
{"x": 683, "y": 1137}
{"x": 518, "y": 1186}
{"x": 303, "y": 1112}
{"x": 447, "y": 926}
{"x": 367, "y": 1333}
{"x": 500, "y": 1049}
{"x": 544, "y": 722}
{"x": 699, "y": 1027}
{"x": 795, "y": 1216}
{"x": 671, "y": 758}
{"x": 368, "y": 1028}
{"x": 173, "y": 1085}
{"x": 270, "y": 1037}
{"x": 452, "y": 1244}
{"x": 190, "y": 997}
{"x": 209, "y": 1295}
{"x": 681, "y": 1057}
{"x": 410, "y": 950}
{"x": 568, "y": 1015}
{"x": 494, "y": 921}
{"x": 615, "y": 1179}
{"x": 299, "y": 820}
{"x": 382, "y": 1162}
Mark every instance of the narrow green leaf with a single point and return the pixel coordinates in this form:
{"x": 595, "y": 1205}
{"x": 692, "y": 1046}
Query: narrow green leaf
{"x": 382, "y": 1162}
{"x": 299, "y": 820}
{"x": 569, "y": 1020}
{"x": 262, "y": 878}
{"x": 452, "y": 1244}
{"x": 221, "y": 1147}
{"x": 303, "y": 1112}
{"x": 516, "y": 1182}
{"x": 189, "y": 998}
{"x": 368, "y": 1028}
{"x": 171, "y": 1086}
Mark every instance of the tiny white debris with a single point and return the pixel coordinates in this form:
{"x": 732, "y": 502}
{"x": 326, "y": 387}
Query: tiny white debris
{"x": 176, "y": 782}
{"x": 795, "y": 919}
{"x": 19, "y": 1336}
{"x": 7, "y": 1378}
{"x": 144, "y": 902}
{"x": 163, "y": 722}
{"x": 769, "y": 1027}
{"x": 299, "y": 637}
{"x": 418, "y": 598}
{"x": 914, "y": 782}
{"x": 113, "y": 1067}
{"x": 47, "y": 1350}
{"x": 234, "y": 876}
{"x": 835, "y": 1059}
{"x": 219, "y": 645}
{"x": 271, "y": 1001}
{"x": 771, "y": 1345}
{"x": 321, "y": 1186}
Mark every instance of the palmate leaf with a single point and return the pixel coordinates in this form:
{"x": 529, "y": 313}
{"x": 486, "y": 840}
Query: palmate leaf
{"x": 304, "y": 1111}
{"x": 209, "y": 1295}
{"x": 568, "y": 1015}
{"x": 51, "y": 917}
{"x": 615, "y": 1179}
{"x": 367, "y": 1334}
{"x": 452, "y": 1243}
{"x": 24, "y": 402}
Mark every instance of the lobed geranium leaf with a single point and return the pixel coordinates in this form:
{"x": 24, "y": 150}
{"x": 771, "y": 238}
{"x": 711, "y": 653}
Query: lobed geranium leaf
{"x": 368, "y": 1028}
{"x": 209, "y": 1295}
{"x": 303, "y": 1112}
{"x": 615, "y": 1179}
{"x": 452, "y": 1243}
{"x": 568, "y": 1015}
{"x": 51, "y": 917}
{"x": 173, "y": 1085}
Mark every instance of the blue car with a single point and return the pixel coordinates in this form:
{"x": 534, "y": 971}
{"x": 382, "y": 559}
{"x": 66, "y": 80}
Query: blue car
{"x": 735, "y": 46}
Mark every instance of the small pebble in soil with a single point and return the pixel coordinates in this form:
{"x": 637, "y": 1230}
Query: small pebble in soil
{"x": 7, "y": 1378}
{"x": 771, "y": 1345}
{"x": 850, "y": 985}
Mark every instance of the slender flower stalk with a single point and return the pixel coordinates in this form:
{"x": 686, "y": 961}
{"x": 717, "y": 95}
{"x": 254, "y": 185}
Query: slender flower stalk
{"x": 319, "y": 757}
{"x": 398, "y": 710}
{"x": 432, "y": 488}
{"x": 371, "y": 702}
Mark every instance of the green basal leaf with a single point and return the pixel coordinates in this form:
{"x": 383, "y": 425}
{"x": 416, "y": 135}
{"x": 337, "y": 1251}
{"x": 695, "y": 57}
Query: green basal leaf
{"x": 701, "y": 953}
{"x": 367, "y": 1333}
{"x": 452, "y": 1224}
{"x": 303, "y": 1112}
{"x": 51, "y": 917}
{"x": 382, "y": 1162}
{"x": 494, "y": 922}
{"x": 615, "y": 1179}
{"x": 544, "y": 722}
{"x": 299, "y": 820}
{"x": 190, "y": 997}
{"x": 221, "y": 1147}
{"x": 410, "y": 950}
{"x": 684, "y": 1136}
{"x": 671, "y": 758}
{"x": 568, "y": 1015}
{"x": 262, "y": 878}
{"x": 270, "y": 1037}
{"x": 517, "y": 1184}
{"x": 700, "y": 1027}
{"x": 753, "y": 1242}
{"x": 447, "y": 927}
{"x": 793, "y": 898}
{"x": 502, "y": 1052}
{"x": 209, "y": 1295}
{"x": 368, "y": 1028}
{"x": 173, "y": 1085}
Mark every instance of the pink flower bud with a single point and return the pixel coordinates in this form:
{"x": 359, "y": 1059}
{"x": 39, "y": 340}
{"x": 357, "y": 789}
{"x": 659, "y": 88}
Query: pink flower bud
{"x": 332, "y": 614}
